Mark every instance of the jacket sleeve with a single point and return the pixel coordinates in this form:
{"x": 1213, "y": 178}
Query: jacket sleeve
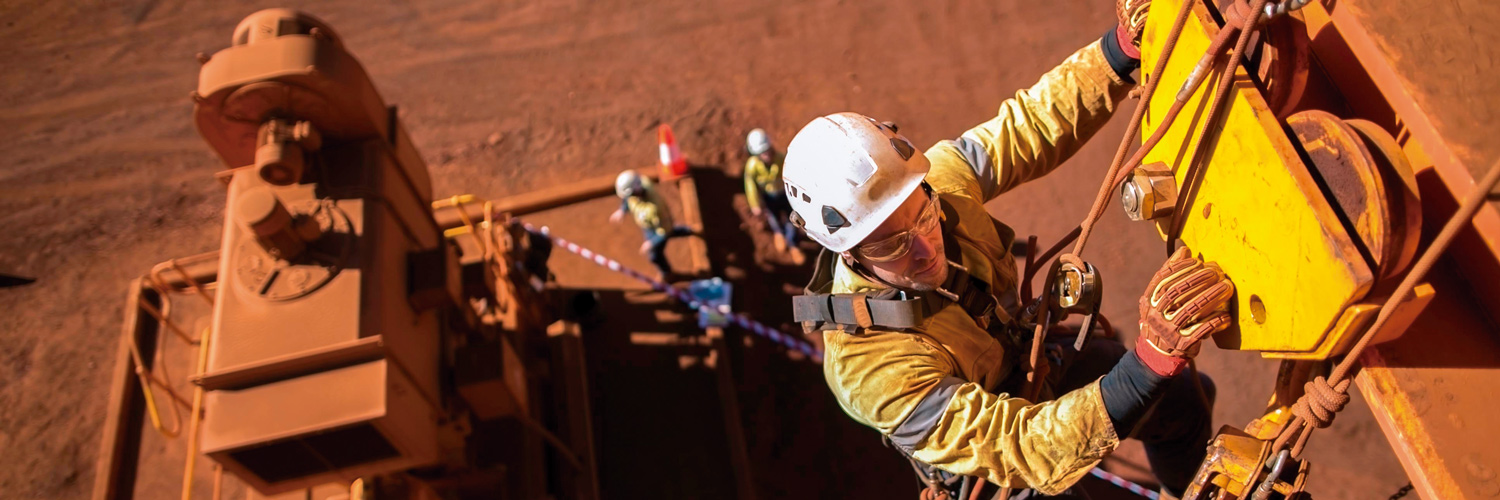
{"x": 905, "y": 387}
{"x": 753, "y": 167}
{"x": 1042, "y": 126}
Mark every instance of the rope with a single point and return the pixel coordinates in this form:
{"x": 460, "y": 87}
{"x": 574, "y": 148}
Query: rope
{"x": 1105, "y": 190}
{"x": 1321, "y": 402}
{"x": 739, "y": 319}
{"x": 1124, "y": 483}
{"x": 1220, "y": 98}
{"x": 1235, "y": 23}
{"x": 1301, "y": 427}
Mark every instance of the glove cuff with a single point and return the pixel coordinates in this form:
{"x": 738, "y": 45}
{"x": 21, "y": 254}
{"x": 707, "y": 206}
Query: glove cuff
{"x": 1159, "y": 362}
{"x": 1126, "y": 42}
{"x": 1122, "y": 56}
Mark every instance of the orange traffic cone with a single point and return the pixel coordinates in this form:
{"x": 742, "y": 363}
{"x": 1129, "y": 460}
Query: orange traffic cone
{"x": 673, "y": 165}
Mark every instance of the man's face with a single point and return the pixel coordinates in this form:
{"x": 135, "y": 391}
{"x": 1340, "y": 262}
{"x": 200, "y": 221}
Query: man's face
{"x": 767, "y": 156}
{"x": 924, "y": 266}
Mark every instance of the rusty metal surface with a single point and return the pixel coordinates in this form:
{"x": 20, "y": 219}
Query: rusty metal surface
{"x": 1418, "y": 70}
{"x": 1402, "y": 195}
{"x": 1415, "y": 70}
{"x": 1432, "y": 390}
{"x": 115, "y": 469}
{"x": 1345, "y": 166}
{"x": 1446, "y": 54}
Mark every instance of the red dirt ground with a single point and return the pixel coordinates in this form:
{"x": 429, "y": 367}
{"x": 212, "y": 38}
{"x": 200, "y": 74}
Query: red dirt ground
{"x": 104, "y": 174}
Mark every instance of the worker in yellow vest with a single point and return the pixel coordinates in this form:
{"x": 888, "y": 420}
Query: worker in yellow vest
{"x": 916, "y": 296}
{"x": 763, "y": 188}
{"x": 639, "y": 199}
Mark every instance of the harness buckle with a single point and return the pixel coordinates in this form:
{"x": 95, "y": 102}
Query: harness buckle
{"x": 862, "y": 310}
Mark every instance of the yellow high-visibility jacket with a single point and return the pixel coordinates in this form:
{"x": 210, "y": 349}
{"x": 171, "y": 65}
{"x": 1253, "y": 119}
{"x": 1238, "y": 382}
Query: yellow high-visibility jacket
{"x": 648, "y": 209}
{"x": 761, "y": 177}
{"x": 932, "y": 389}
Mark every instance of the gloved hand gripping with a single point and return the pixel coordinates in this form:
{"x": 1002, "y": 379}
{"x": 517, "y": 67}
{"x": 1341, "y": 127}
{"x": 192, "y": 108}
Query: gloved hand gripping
{"x": 1185, "y": 302}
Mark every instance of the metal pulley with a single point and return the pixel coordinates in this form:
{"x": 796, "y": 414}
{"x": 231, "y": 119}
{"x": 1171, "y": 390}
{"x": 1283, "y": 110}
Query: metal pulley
{"x": 1239, "y": 465}
{"x": 1371, "y": 182}
{"x": 1077, "y": 288}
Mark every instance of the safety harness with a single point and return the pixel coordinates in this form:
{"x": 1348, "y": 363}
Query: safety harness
{"x": 819, "y": 309}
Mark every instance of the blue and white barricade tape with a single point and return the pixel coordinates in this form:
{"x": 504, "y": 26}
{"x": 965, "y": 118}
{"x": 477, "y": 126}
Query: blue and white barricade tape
{"x": 791, "y": 342}
{"x": 1123, "y": 483}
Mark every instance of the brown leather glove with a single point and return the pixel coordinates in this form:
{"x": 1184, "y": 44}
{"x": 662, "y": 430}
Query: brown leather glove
{"x": 1185, "y": 302}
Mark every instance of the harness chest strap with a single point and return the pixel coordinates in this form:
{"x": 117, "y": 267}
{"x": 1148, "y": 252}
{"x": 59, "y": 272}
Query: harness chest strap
{"x": 818, "y": 309}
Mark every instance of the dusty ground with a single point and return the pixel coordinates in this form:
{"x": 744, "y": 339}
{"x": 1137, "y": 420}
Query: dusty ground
{"x": 104, "y": 175}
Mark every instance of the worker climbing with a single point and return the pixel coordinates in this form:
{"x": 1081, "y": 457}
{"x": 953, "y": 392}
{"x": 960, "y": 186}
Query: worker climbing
{"x": 639, "y": 199}
{"x": 916, "y": 299}
{"x": 764, "y": 193}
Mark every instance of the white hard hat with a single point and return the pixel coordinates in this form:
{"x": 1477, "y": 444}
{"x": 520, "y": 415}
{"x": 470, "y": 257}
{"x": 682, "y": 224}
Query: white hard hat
{"x": 845, "y": 174}
{"x": 758, "y": 142}
{"x": 629, "y": 181}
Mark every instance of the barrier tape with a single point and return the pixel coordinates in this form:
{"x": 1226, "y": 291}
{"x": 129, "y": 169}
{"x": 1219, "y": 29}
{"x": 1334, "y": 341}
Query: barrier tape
{"x": 740, "y": 319}
{"x": 744, "y": 321}
{"x": 1123, "y": 483}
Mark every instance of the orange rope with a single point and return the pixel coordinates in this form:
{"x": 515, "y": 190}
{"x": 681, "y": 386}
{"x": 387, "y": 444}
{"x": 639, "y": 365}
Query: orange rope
{"x": 1152, "y": 83}
{"x": 1301, "y": 427}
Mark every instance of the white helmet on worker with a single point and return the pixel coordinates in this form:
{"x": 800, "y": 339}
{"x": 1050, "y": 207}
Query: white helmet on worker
{"x": 758, "y": 142}
{"x": 845, "y": 174}
{"x": 628, "y": 182}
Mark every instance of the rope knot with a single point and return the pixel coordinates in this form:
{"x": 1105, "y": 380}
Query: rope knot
{"x": 1321, "y": 402}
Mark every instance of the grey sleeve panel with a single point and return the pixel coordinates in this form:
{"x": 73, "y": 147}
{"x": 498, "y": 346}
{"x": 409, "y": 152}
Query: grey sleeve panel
{"x": 929, "y": 410}
{"x": 979, "y": 160}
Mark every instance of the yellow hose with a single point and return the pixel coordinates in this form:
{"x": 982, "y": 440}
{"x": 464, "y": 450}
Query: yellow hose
{"x": 196, "y": 418}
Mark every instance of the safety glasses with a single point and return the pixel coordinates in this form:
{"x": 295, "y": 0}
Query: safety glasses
{"x": 897, "y": 245}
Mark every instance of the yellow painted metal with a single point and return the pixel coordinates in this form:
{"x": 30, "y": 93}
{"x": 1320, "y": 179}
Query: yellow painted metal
{"x": 1254, "y": 207}
{"x": 1359, "y": 316}
{"x": 1345, "y": 332}
{"x": 1232, "y": 466}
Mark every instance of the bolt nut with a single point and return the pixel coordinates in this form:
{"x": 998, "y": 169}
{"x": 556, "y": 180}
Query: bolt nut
{"x": 1150, "y": 192}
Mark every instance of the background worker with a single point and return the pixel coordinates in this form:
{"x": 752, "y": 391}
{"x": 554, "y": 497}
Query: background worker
{"x": 763, "y": 188}
{"x": 638, "y": 197}
{"x": 916, "y": 296}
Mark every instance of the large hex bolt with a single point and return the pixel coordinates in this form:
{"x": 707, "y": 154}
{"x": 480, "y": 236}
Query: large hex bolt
{"x": 1149, "y": 193}
{"x": 273, "y": 226}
